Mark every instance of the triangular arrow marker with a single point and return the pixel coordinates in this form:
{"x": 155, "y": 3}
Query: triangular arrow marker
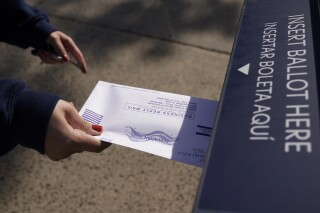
{"x": 245, "y": 69}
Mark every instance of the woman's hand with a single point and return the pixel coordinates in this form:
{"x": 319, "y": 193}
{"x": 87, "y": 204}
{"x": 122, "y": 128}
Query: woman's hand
{"x": 69, "y": 133}
{"x": 63, "y": 45}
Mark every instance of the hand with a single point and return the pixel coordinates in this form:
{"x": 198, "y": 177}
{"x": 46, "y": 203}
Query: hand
{"x": 63, "y": 44}
{"x": 69, "y": 133}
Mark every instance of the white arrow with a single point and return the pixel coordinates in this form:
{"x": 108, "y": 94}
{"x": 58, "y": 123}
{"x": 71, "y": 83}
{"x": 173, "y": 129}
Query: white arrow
{"x": 245, "y": 69}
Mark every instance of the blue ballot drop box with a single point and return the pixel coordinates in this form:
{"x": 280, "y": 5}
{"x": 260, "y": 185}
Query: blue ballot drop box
{"x": 264, "y": 155}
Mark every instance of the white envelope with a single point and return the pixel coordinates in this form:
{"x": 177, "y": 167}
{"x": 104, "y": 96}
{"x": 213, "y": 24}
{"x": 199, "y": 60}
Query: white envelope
{"x": 173, "y": 126}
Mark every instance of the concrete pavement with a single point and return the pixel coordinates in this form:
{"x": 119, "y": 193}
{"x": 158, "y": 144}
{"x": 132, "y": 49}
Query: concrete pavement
{"x": 181, "y": 47}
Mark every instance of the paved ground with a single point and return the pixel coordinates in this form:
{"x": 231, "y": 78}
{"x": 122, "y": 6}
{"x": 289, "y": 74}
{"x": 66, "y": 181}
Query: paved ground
{"x": 180, "y": 46}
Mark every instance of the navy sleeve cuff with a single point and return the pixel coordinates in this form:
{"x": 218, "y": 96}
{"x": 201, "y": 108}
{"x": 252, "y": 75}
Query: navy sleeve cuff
{"x": 32, "y": 113}
{"x": 39, "y": 34}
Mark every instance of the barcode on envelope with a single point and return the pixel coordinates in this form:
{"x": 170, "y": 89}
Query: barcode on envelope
{"x": 92, "y": 116}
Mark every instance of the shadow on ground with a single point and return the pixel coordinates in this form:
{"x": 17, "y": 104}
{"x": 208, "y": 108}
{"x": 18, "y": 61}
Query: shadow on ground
{"x": 209, "y": 24}
{"x": 122, "y": 37}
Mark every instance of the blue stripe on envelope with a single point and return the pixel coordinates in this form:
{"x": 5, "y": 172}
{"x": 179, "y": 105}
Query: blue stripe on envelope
{"x": 92, "y": 116}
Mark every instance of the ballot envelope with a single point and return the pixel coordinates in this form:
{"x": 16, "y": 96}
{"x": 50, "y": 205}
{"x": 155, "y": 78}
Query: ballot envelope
{"x": 264, "y": 155}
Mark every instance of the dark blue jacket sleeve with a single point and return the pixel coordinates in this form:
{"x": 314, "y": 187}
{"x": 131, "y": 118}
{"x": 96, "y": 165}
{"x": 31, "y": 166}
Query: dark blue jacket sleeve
{"x": 24, "y": 116}
{"x": 22, "y": 25}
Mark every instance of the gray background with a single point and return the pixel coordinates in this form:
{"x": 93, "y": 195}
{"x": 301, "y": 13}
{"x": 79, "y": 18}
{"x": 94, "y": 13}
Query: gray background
{"x": 180, "y": 46}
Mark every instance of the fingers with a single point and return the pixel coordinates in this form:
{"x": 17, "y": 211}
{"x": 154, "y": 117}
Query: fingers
{"x": 55, "y": 39}
{"x": 49, "y": 59}
{"x": 83, "y": 133}
{"x": 64, "y": 44}
{"x": 77, "y": 122}
{"x": 76, "y": 53}
{"x": 75, "y": 141}
{"x": 85, "y": 142}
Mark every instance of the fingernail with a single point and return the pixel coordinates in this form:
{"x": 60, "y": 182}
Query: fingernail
{"x": 97, "y": 128}
{"x": 83, "y": 69}
{"x": 65, "y": 57}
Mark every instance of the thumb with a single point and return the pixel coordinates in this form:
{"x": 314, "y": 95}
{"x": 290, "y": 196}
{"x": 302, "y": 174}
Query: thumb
{"x": 77, "y": 122}
{"x": 87, "y": 142}
{"x": 59, "y": 48}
